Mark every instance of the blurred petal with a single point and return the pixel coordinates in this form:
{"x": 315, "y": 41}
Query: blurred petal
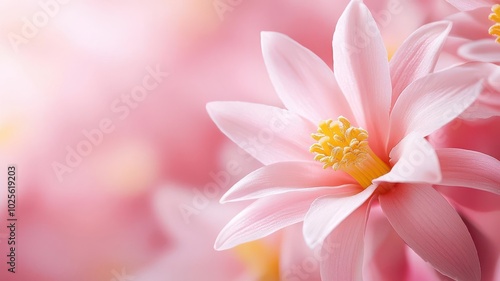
{"x": 472, "y": 25}
{"x": 304, "y": 83}
{"x": 328, "y": 212}
{"x": 267, "y": 215}
{"x": 385, "y": 252}
{"x": 486, "y": 50}
{"x": 268, "y": 133}
{"x": 362, "y": 70}
{"x": 417, "y": 56}
{"x": 415, "y": 161}
{"x": 433, "y": 229}
{"x": 342, "y": 250}
{"x": 434, "y": 100}
{"x": 487, "y": 105}
{"x": 468, "y": 168}
{"x": 465, "y": 5}
{"x": 284, "y": 177}
{"x": 295, "y": 254}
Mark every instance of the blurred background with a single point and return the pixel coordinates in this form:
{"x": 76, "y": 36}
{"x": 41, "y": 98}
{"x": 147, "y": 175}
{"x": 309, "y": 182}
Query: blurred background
{"x": 119, "y": 169}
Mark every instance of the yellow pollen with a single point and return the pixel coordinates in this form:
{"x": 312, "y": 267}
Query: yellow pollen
{"x": 495, "y": 16}
{"x": 346, "y": 148}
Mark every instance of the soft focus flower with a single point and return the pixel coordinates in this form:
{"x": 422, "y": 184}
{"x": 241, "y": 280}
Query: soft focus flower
{"x": 398, "y": 103}
{"x": 190, "y": 255}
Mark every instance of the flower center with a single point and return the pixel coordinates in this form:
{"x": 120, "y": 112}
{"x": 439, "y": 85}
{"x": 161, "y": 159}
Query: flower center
{"x": 495, "y": 16}
{"x": 346, "y": 148}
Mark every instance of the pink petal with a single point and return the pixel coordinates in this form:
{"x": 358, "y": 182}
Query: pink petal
{"x": 433, "y": 229}
{"x": 486, "y": 50}
{"x": 434, "y": 100}
{"x": 268, "y": 133}
{"x": 342, "y": 250}
{"x": 304, "y": 83}
{"x": 487, "y": 105}
{"x": 284, "y": 177}
{"x": 417, "y": 56}
{"x": 472, "y": 25}
{"x": 415, "y": 161}
{"x": 268, "y": 215}
{"x": 468, "y": 168}
{"x": 385, "y": 252}
{"x": 362, "y": 70}
{"x": 297, "y": 260}
{"x": 328, "y": 212}
{"x": 465, "y": 5}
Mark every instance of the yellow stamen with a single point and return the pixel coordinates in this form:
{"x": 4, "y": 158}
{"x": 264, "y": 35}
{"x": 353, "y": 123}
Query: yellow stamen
{"x": 495, "y": 16}
{"x": 346, "y": 148}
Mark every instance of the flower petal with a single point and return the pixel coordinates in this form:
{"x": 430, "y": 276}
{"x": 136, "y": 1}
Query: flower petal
{"x": 342, "y": 250}
{"x": 362, "y": 70}
{"x": 469, "y": 168}
{"x": 415, "y": 161}
{"x": 472, "y": 25}
{"x": 284, "y": 177}
{"x": 486, "y": 50}
{"x": 385, "y": 252}
{"x": 487, "y": 105}
{"x": 268, "y": 133}
{"x": 417, "y": 56}
{"x": 328, "y": 212}
{"x": 297, "y": 260}
{"x": 433, "y": 229}
{"x": 303, "y": 81}
{"x": 434, "y": 100}
{"x": 465, "y": 5}
{"x": 268, "y": 215}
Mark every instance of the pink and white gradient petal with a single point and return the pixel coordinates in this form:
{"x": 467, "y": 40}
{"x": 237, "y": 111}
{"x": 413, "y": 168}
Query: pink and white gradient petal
{"x": 272, "y": 213}
{"x": 469, "y": 168}
{"x": 284, "y": 177}
{"x": 471, "y": 25}
{"x": 417, "y": 56}
{"x": 434, "y": 100}
{"x": 385, "y": 251}
{"x": 362, "y": 70}
{"x": 485, "y": 50}
{"x": 297, "y": 260}
{"x": 415, "y": 161}
{"x": 328, "y": 212}
{"x": 268, "y": 133}
{"x": 433, "y": 229}
{"x": 342, "y": 250}
{"x": 304, "y": 83}
{"x": 466, "y": 5}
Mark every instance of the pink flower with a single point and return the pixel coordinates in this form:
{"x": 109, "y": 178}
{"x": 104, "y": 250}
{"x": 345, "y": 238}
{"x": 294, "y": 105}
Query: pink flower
{"x": 399, "y": 104}
{"x": 191, "y": 241}
{"x": 477, "y": 25}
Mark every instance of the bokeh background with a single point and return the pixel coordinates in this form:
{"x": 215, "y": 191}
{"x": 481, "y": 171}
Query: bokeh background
{"x": 102, "y": 111}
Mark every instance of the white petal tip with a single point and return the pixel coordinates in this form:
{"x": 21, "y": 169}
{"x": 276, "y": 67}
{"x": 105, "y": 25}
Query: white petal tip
{"x": 225, "y": 199}
{"x": 211, "y": 107}
{"x": 220, "y": 246}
